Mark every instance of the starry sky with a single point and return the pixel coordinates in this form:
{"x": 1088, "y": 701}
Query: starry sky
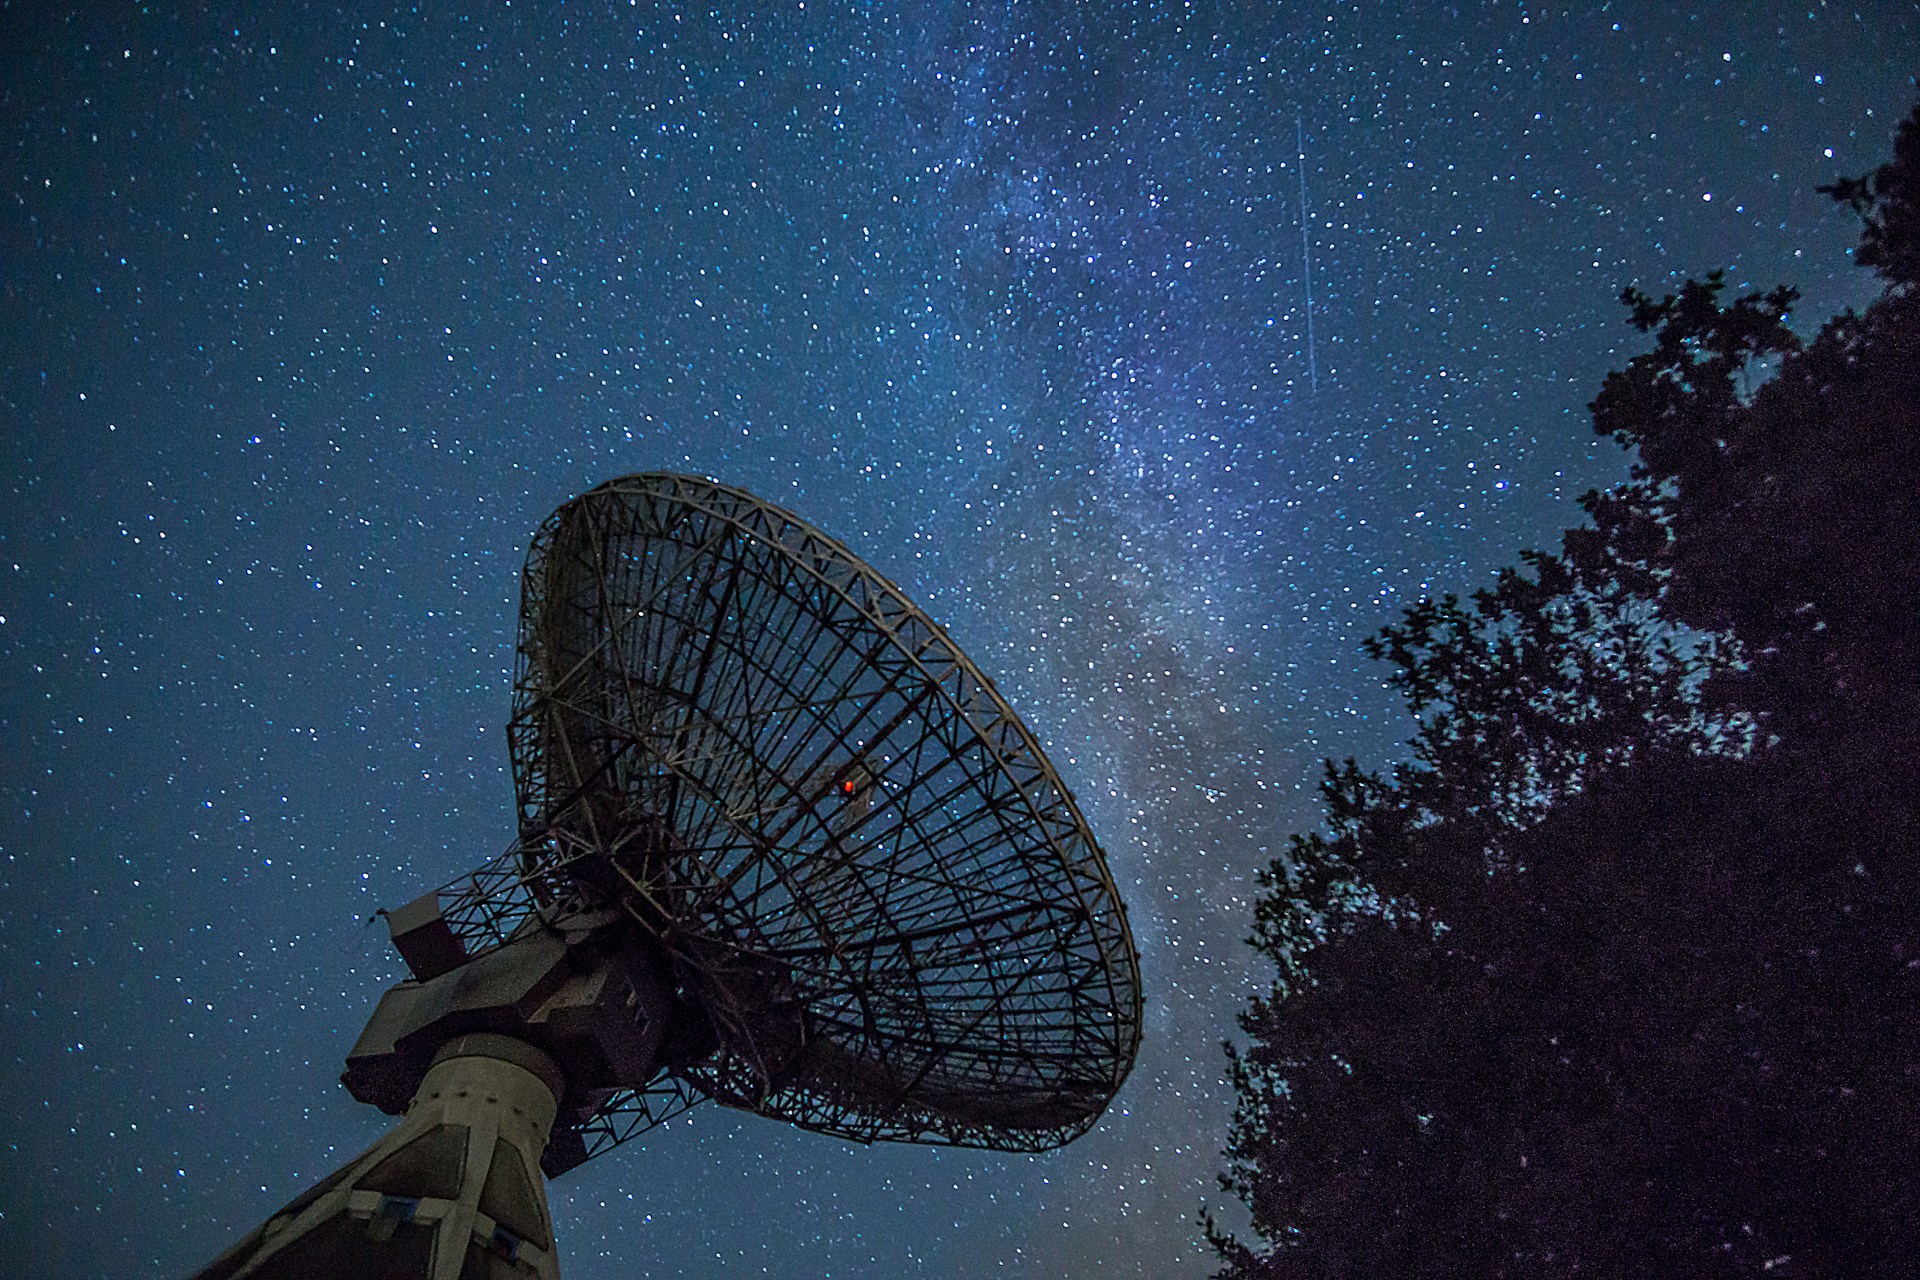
{"x": 1163, "y": 351}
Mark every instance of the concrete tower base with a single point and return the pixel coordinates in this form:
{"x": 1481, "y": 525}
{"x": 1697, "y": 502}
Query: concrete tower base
{"x": 454, "y": 1192}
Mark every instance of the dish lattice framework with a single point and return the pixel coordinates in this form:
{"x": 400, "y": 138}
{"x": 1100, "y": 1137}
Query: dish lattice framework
{"x": 856, "y": 858}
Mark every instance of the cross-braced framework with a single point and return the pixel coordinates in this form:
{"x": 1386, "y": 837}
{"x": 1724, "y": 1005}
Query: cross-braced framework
{"x": 859, "y": 864}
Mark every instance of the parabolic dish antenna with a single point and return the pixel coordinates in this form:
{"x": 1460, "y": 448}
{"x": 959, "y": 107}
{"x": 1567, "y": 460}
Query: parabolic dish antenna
{"x": 782, "y": 845}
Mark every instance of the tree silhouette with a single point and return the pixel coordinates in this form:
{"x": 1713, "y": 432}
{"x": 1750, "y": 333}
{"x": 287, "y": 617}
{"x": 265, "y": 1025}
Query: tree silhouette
{"x": 1620, "y": 973}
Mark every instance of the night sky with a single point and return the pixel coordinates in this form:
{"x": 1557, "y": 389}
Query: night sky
{"x": 309, "y": 321}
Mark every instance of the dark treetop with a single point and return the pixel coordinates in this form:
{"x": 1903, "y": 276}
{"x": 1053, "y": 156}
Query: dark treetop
{"x": 1618, "y": 975}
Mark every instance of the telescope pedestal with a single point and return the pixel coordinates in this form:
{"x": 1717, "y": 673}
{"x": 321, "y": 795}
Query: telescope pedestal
{"x": 454, "y": 1192}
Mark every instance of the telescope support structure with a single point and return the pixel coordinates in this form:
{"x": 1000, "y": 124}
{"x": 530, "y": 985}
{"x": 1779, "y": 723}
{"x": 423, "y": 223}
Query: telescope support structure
{"x": 481, "y": 1054}
{"x": 454, "y": 1192}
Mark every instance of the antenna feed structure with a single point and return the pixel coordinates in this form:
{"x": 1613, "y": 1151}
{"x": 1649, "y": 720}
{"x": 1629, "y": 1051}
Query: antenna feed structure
{"x": 781, "y": 845}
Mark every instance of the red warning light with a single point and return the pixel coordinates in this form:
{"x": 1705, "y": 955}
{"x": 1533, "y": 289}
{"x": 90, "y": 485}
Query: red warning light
{"x": 847, "y": 787}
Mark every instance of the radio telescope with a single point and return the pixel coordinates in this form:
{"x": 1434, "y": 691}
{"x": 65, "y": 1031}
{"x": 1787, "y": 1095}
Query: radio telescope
{"x": 781, "y": 846}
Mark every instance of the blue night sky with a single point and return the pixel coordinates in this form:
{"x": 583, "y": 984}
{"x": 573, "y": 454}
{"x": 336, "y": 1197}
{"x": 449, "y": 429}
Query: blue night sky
{"x": 310, "y": 319}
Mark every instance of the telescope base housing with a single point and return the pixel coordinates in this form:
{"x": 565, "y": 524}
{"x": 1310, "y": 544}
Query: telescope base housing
{"x": 454, "y": 1192}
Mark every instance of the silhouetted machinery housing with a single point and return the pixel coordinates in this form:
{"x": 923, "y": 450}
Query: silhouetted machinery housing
{"x": 781, "y": 845}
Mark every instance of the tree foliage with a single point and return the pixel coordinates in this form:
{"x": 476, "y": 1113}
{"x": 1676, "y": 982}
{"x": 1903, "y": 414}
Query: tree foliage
{"x": 1619, "y": 974}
